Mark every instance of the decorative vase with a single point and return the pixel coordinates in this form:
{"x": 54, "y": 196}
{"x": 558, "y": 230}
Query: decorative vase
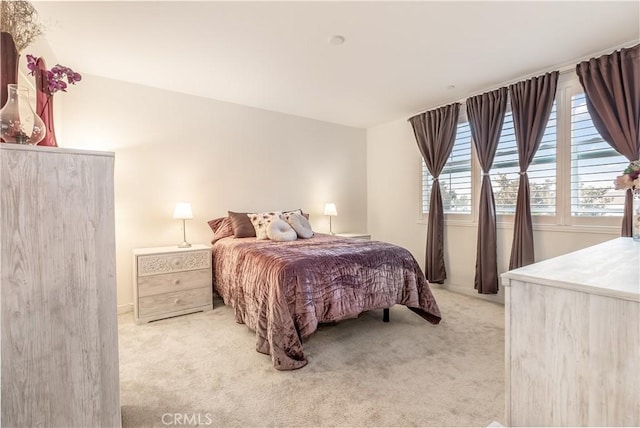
{"x": 44, "y": 103}
{"x": 18, "y": 122}
{"x": 8, "y": 64}
{"x": 635, "y": 215}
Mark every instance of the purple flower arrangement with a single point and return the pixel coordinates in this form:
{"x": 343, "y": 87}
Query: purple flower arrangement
{"x": 56, "y": 76}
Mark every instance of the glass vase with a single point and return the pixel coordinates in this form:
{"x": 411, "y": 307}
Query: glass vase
{"x": 635, "y": 215}
{"x": 18, "y": 122}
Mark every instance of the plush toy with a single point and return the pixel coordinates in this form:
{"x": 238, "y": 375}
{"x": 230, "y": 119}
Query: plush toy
{"x": 301, "y": 225}
{"x": 279, "y": 230}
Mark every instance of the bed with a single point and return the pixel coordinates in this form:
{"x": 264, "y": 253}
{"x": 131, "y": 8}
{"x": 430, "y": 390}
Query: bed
{"x": 284, "y": 290}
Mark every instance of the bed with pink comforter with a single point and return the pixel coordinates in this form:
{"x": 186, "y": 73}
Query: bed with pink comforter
{"x": 283, "y": 290}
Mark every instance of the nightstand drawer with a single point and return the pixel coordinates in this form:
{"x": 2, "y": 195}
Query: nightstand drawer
{"x": 174, "y": 302}
{"x": 156, "y": 264}
{"x": 173, "y": 282}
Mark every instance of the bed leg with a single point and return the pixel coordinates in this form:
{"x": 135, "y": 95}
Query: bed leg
{"x": 298, "y": 333}
{"x": 385, "y": 315}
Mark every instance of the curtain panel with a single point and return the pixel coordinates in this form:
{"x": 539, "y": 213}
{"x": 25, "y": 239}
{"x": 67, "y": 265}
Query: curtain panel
{"x": 612, "y": 87}
{"x": 435, "y": 133}
{"x": 531, "y": 104}
{"x": 486, "y": 117}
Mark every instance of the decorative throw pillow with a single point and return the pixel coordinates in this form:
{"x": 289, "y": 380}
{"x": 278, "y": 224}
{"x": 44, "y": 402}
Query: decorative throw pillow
{"x": 301, "y": 225}
{"x": 298, "y": 211}
{"x": 261, "y": 221}
{"x": 241, "y": 225}
{"x": 215, "y": 223}
{"x": 287, "y": 214}
{"x": 279, "y": 230}
{"x": 221, "y": 228}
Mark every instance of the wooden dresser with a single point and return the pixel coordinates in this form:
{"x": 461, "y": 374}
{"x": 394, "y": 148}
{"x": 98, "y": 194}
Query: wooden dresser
{"x": 170, "y": 281}
{"x": 573, "y": 338}
{"x": 57, "y": 269}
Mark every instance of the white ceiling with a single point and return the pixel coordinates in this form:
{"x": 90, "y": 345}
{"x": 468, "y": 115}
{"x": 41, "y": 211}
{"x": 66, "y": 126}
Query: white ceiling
{"x": 399, "y": 58}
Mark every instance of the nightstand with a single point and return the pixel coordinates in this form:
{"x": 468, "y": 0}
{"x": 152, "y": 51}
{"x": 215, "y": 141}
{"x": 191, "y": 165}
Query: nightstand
{"x": 354, "y": 235}
{"x": 170, "y": 281}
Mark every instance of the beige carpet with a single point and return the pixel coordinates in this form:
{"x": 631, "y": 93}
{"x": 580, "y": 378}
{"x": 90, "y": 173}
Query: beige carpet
{"x": 202, "y": 369}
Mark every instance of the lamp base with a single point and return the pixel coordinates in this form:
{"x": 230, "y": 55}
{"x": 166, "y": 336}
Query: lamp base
{"x": 184, "y": 244}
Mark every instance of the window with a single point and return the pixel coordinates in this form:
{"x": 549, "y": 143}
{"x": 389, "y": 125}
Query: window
{"x": 571, "y": 176}
{"x": 542, "y": 171}
{"x": 594, "y": 167}
{"x": 455, "y": 179}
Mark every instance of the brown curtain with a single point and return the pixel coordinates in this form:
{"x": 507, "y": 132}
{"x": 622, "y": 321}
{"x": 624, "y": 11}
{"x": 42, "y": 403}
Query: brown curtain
{"x": 435, "y": 133}
{"x": 531, "y": 104}
{"x": 486, "y": 117}
{"x": 612, "y": 87}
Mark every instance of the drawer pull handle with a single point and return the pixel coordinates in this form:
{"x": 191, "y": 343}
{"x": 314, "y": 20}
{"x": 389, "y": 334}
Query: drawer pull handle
{"x": 176, "y": 281}
{"x": 177, "y": 301}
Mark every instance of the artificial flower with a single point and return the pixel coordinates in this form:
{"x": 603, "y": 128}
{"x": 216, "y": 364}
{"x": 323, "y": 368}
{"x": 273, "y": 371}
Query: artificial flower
{"x": 630, "y": 178}
{"x": 55, "y": 76}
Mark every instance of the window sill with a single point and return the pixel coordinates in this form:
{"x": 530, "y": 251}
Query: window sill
{"x": 579, "y": 228}
{"x": 457, "y": 222}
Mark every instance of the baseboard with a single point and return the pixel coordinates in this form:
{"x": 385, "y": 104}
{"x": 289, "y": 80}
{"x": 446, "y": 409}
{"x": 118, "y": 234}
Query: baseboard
{"x": 471, "y": 292}
{"x": 123, "y": 309}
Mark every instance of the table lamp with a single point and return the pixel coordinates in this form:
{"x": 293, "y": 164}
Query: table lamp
{"x": 330, "y": 210}
{"x": 183, "y": 212}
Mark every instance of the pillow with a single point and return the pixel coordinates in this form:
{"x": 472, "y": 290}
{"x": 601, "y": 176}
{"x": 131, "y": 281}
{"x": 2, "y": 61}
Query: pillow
{"x": 298, "y": 211}
{"x": 241, "y": 225}
{"x": 279, "y": 230}
{"x": 261, "y": 221}
{"x": 300, "y": 224}
{"x": 221, "y": 228}
{"x": 215, "y": 223}
{"x": 286, "y": 214}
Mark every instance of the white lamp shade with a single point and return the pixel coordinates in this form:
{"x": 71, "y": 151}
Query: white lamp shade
{"x": 183, "y": 211}
{"x": 330, "y": 209}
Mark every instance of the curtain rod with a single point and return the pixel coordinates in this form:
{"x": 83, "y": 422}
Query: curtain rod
{"x": 563, "y": 68}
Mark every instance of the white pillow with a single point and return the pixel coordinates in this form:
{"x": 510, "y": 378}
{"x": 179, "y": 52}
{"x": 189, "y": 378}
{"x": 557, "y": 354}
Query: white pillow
{"x": 279, "y": 230}
{"x": 261, "y": 222}
{"x": 301, "y": 225}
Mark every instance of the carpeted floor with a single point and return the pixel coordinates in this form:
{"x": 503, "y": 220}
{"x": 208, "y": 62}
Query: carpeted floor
{"x": 202, "y": 369}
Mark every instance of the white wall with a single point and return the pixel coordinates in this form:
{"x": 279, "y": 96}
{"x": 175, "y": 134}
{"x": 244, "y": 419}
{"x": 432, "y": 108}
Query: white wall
{"x": 393, "y": 196}
{"x": 219, "y": 156}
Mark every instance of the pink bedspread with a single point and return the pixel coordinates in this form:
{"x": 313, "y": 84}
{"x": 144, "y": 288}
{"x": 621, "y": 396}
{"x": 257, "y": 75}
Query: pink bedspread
{"x": 283, "y": 290}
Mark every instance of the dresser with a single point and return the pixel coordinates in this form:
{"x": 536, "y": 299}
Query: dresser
{"x": 572, "y": 345}
{"x": 171, "y": 281}
{"x": 58, "y": 313}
